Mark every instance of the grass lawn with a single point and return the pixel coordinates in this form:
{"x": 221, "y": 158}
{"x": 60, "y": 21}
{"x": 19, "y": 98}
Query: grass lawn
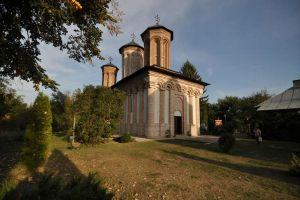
{"x": 175, "y": 169}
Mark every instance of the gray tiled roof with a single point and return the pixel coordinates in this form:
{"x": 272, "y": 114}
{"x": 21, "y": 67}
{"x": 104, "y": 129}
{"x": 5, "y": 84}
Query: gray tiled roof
{"x": 289, "y": 99}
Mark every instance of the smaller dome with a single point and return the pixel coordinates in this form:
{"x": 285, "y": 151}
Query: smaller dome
{"x": 130, "y": 44}
{"x": 109, "y": 65}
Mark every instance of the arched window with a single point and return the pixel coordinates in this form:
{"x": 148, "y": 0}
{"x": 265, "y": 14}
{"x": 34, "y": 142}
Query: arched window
{"x": 157, "y": 52}
{"x": 136, "y": 64}
{"x": 127, "y": 62}
{"x": 165, "y": 54}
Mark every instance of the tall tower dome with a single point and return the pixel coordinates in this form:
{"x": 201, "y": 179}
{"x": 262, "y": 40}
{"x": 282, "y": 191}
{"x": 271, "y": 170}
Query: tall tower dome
{"x": 109, "y": 74}
{"x": 157, "y": 40}
{"x": 132, "y": 57}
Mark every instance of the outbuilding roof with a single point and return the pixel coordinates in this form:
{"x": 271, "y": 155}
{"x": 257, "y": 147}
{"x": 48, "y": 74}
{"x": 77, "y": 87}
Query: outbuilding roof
{"x": 287, "y": 100}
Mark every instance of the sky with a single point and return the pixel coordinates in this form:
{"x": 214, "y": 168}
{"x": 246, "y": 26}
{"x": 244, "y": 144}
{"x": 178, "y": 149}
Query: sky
{"x": 238, "y": 46}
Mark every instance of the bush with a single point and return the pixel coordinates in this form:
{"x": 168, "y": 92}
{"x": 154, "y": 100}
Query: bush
{"x": 100, "y": 111}
{"x": 124, "y": 138}
{"x": 295, "y": 168}
{"x": 226, "y": 142}
{"x": 46, "y": 186}
{"x": 38, "y": 133}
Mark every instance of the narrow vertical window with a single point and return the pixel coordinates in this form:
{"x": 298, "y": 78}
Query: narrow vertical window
{"x": 165, "y": 54}
{"x": 157, "y": 51}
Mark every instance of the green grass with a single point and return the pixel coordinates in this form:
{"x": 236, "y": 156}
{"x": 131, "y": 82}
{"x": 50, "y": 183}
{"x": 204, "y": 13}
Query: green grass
{"x": 178, "y": 169}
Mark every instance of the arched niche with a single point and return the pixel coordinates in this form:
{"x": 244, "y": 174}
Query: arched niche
{"x": 177, "y": 113}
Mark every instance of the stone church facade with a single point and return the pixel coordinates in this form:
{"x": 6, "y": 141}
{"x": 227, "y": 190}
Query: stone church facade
{"x": 159, "y": 100}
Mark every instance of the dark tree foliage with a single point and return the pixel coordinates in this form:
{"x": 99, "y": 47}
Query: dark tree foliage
{"x": 47, "y": 186}
{"x": 99, "y": 110}
{"x": 69, "y": 25}
{"x": 190, "y": 71}
{"x": 13, "y": 110}
{"x": 61, "y": 107}
{"x": 38, "y": 133}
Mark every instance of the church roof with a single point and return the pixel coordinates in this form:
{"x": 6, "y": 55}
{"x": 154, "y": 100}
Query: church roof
{"x": 157, "y": 26}
{"x": 130, "y": 44}
{"x": 109, "y": 65}
{"x": 287, "y": 100}
{"x": 160, "y": 70}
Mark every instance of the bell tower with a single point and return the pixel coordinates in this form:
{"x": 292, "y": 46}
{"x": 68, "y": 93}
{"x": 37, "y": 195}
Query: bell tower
{"x": 109, "y": 74}
{"x": 157, "y": 41}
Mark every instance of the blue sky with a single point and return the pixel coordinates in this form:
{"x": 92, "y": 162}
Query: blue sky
{"x": 238, "y": 46}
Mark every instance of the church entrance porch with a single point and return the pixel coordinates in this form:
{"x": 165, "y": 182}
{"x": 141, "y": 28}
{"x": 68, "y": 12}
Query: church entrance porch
{"x": 177, "y": 123}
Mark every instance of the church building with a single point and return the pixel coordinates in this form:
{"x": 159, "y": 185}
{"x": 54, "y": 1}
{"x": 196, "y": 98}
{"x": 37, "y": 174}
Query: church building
{"x": 159, "y": 101}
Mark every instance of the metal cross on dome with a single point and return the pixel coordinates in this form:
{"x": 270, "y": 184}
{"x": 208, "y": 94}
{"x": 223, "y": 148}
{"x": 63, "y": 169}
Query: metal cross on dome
{"x": 157, "y": 19}
{"x": 132, "y": 36}
{"x": 110, "y": 59}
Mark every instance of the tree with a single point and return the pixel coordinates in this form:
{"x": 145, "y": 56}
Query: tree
{"x": 99, "y": 110}
{"x": 61, "y": 108}
{"x": 38, "y": 133}
{"x": 73, "y": 26}
{"x": 228, "y": 112}
{"x": 12, "y": 108}
{"x": 190, "y": 71}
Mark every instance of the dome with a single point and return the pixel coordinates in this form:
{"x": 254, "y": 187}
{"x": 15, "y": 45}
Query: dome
{"x": 157, "y": 26}
{"x": 130, "y": 44}
{"x": 109, "y": 65}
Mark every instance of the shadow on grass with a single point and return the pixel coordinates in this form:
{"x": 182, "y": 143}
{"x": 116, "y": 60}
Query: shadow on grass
{"x": 275, "y": 174}
{"x": 61, "y": 180}
{"x": 278, "y": 152}
{"x": 60, "y": 165}
{"x": 10, "y": 153}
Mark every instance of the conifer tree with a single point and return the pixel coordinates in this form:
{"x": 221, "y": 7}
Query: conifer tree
{"x": 190, "y": 71}
{"x": 38, "y": 133}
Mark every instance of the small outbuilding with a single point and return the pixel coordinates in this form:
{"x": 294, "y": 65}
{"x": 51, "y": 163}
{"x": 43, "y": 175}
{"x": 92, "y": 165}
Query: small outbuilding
{"x": 287, "y": 100}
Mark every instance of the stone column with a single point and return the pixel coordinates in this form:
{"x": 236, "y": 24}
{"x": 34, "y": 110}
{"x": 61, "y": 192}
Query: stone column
{"x": 150, "y": 112}
{"x": 194, "y": 115}
{"x": 172, "y": 110}
{"x": 134, "y": 113}
{"x": 156, "y": 105}
{"x": 144, "y": 110}
{"x": 187, "y": 113}
{"x": 198, "y": 114}
{"x": 166, "y": 106}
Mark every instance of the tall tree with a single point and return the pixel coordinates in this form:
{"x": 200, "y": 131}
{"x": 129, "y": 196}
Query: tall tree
{"x": 190, "y": 71}
{"x": 73, "y": 26}
{"x": 38, "y": 133}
